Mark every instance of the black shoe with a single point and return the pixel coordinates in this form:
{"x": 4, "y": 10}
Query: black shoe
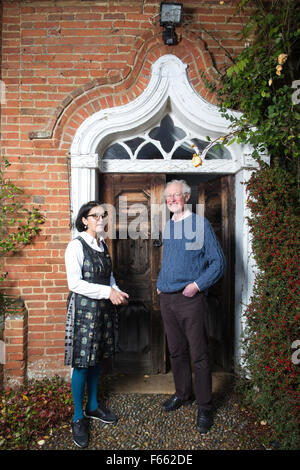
{"x": 80, "y": 433}
{"x": 174, "y": 403}
{"x": 103, "y": 414}
{"x": 204, "y": 421}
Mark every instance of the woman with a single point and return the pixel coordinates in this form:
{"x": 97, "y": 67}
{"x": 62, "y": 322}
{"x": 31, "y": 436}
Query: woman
{"x": 90, "y": 318}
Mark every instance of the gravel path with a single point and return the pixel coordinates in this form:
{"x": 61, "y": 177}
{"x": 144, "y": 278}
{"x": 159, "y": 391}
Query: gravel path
{"x": 143, "y": 425}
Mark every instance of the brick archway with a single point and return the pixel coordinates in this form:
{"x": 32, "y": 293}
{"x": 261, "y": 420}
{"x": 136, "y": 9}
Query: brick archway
{"x": 116, "y": 90}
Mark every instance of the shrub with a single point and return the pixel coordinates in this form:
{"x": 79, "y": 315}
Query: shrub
{"x": 272, "y": 318}
{"x": 261, "y": 83}
{"x": 29, "y": 413}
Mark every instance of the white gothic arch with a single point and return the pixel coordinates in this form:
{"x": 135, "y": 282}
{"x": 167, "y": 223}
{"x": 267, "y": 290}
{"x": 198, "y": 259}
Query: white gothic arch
{"x": 169, "y": 91}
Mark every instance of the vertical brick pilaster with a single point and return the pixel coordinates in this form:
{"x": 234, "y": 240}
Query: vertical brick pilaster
{"x": 15, "y": 339}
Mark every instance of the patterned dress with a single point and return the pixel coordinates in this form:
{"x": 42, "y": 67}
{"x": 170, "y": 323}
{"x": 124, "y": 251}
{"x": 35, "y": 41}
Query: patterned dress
{"x": 91, "y": 323}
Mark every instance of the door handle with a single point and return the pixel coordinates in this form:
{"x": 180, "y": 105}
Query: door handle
{"x": 158, "y": 241}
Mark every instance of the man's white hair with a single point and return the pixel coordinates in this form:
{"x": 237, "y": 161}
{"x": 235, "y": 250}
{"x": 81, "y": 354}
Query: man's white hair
{"x": 186, "y": 189}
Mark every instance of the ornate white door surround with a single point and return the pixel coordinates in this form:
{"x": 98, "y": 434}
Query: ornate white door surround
{"x": 169, "y": 93}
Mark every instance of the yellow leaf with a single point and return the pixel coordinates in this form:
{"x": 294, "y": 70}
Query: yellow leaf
{"x": 197, "y": 161}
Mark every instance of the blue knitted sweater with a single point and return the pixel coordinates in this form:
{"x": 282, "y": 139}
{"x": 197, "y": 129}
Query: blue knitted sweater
{"x": 191, "y": 253}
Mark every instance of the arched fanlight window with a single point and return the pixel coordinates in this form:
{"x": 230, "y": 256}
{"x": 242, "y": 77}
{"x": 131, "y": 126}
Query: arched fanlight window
{"x": 165, "y": 140}
{"x": 167, "y": 134}
{"x": 116, "y": 152}
{"x": 185, "y": 151}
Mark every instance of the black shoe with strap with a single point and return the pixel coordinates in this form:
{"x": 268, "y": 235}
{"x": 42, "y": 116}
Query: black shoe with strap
{"x": 80, "y": 432}
{"x": 103, "y": 414}
{"x": 173, "y": 403}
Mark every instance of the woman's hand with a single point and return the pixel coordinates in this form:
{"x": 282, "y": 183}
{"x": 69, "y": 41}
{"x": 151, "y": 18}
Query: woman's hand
{"x": 118, "y": 298}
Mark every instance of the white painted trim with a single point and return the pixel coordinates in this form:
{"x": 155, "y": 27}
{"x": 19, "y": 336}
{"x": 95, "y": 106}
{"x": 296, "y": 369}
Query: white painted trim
{"x": 166, "y": 166}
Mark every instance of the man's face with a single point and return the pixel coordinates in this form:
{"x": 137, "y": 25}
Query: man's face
{"x": 175, "y": 198}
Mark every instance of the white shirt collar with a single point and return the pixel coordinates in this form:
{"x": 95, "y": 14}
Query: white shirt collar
{"x": 186, "y": 214}
{"x": 89, "y": 239}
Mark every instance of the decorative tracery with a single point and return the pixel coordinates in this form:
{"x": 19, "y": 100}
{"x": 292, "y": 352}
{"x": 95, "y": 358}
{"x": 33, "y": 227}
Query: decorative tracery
{"x": 166, "y": 141}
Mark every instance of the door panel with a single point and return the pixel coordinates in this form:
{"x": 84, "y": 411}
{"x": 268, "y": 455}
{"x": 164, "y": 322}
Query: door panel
{"x": 136, "y": 262}
{"x": 218, "y": 199}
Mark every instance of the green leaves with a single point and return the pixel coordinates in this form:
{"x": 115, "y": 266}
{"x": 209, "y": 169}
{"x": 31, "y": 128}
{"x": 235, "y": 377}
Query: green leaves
{"x": 29, "y": 414}
{"x": 238, "y": 67}
{"x": 259, "y": 83}
{"x": 272, "y": 324}
{"x": 18, "y": 224}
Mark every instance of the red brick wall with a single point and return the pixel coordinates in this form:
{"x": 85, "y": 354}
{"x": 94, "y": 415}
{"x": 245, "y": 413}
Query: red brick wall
{"x": 62, "y": 61}
{"x": 16, "y": 344}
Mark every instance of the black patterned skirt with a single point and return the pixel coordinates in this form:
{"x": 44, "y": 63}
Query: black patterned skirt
{"x": 91, "y": 331}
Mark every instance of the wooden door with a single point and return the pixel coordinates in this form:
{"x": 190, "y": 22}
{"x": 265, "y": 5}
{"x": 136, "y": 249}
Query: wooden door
{"x": 217, "y": 198}
{"x": 136, "y": 260}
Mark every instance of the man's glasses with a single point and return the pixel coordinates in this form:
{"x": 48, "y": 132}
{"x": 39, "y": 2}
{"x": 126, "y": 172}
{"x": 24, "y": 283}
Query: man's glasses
{"x": 171, "y": 196}
{"x": 99, "y": 216}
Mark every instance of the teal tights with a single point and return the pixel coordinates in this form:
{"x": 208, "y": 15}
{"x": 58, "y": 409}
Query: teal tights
{"x": 85, "y": 376}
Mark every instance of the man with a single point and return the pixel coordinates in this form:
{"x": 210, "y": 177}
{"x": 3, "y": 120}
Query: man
{"x": 192, "y": 262}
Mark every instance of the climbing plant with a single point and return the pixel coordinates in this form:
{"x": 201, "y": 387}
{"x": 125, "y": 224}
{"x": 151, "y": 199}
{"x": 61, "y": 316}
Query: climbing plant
{"x": 18, "y": 224}
{"x": 263, "y": 82}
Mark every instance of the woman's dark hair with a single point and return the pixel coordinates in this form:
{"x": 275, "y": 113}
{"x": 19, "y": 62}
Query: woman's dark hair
{"x": 83, "y": 212}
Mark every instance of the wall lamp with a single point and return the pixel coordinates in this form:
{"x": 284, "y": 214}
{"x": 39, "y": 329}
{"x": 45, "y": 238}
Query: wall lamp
{"x": 170, "y": 17}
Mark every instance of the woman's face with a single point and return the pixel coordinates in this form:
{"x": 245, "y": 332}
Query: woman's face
{"x": 95, "y": 220}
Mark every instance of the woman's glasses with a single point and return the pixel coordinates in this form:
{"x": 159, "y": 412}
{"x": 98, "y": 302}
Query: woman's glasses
{"x": 99, "y": 216}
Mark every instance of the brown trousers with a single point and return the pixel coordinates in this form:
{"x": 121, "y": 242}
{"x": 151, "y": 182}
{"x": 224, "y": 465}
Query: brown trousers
{"x": 186, "y": 326}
